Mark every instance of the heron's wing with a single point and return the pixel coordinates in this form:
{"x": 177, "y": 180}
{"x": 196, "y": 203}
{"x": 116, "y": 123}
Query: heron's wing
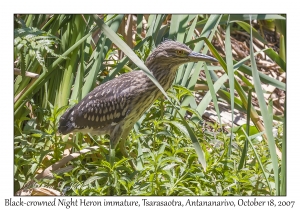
{"x": 110, "y": 102}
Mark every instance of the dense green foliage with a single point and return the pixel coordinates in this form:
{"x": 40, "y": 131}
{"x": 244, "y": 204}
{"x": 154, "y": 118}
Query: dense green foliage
{"x": 175, "y": 153}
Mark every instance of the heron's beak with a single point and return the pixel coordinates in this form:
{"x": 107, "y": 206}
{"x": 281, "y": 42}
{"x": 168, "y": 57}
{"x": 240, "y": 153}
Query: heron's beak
{"x": 194, "y": 57}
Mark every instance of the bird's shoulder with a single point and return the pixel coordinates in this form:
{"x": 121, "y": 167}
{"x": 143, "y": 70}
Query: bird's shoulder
{"x": 125, "y": 85}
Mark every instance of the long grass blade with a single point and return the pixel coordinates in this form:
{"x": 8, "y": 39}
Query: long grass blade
{"x": 258, "y": 159}
{"x": 264, "y": 78}
{"x": 234, "y": 17}
{"x": 245, "y": 149}
{"x": 188, "y": 80}
{"x": 230, "y": 71}
{"x": 212, "y": 92}
{"x": 265, "y": 114}
{"x": 283, "y": 170}
{"x": 195, "y": 141}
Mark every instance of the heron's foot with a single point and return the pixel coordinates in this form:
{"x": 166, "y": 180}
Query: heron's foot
{"x": 125, "y": 154}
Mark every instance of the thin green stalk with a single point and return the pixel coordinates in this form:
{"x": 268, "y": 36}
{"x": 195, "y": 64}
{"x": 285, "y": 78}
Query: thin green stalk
{"x": 258, "y": 159}
{"x": 230, "y": 72}
{"x": 268, "y": 124}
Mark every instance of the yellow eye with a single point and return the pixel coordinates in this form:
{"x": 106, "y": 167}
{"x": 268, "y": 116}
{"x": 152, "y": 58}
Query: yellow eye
{"x": 179, "y": 52}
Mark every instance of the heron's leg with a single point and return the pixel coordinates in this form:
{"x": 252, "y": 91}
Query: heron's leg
{"x": 112, "y": 154}
{"x": 123, "y": 148}
{"x": 114, "y": 139}
{"x": 119, "y": 133}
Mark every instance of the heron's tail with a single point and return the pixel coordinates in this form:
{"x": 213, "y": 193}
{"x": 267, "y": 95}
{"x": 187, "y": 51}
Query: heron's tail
{"x": 65, "y": 125}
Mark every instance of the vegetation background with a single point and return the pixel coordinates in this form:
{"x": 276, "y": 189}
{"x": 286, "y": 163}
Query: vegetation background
{"x": 179, "y": 148}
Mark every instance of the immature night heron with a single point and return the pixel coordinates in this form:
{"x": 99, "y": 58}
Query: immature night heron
{"x": 113, "y": 107}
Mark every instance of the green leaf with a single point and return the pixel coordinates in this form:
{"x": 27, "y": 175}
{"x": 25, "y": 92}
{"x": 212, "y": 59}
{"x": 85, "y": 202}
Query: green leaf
{"x": 247, "y": 28}
{"x": 268, "y": 123}
{"x": 196, "y": 144}
{"x": 230, "y": 71}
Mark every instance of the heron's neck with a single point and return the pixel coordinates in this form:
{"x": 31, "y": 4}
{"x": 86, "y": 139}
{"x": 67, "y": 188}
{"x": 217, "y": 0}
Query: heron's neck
{"x": 165, "y": 76}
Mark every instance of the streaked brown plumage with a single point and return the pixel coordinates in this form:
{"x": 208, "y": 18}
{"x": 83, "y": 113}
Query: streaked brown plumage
{"x": 113, "y": 107}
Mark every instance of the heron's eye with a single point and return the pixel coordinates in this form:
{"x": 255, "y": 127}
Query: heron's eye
{"x": 180, "y": 52}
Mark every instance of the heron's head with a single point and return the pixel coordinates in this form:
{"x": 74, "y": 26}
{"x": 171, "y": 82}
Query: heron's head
{"x": 170, "y": 54}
